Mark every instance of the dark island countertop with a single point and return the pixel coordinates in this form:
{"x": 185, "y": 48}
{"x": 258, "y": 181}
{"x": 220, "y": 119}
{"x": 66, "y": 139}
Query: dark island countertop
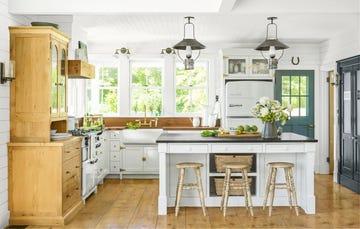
{"x": 197, "y": 138}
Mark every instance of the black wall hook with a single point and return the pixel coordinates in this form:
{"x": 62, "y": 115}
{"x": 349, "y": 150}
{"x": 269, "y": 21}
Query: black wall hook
{"x": 297, "y": 60}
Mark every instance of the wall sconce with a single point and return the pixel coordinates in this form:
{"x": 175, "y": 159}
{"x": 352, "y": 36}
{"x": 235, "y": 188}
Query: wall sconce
{"x": 188, "y": 44}
{"x": 7, "y": 74}
{"x": 271, "y": 44}
{"x": 121, "y": 51}
{"x": 167, "y": 51}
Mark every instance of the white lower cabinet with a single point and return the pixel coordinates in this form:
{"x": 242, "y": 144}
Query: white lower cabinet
{"x": 131, "y": 159}
{"x": 141, "y": 160}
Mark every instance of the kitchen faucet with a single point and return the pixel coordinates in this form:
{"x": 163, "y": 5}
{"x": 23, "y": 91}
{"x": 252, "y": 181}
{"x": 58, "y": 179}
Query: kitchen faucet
{"x": 145, "y": 122}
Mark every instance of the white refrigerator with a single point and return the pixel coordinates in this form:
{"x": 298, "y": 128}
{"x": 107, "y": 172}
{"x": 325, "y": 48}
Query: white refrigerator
{"x": 240, "y": 97}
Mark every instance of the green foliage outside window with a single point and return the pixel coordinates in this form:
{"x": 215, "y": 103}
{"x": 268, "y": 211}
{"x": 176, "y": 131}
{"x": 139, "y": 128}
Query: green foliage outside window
{"x": 146, "y": 89}
{"x": 191, "y": 89}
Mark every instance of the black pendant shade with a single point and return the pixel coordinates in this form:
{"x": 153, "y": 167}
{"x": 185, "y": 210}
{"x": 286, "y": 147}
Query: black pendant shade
{"x": 193, "y": 43}
{"x": 265, "y": 46}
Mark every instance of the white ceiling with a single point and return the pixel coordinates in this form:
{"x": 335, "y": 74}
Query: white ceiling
{"x": 218, "y": 23}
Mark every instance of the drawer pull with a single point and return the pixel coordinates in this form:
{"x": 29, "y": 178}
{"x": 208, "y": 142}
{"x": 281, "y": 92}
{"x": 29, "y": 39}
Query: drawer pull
{"x": 77, "y": 166}
{"x": 68, "y": 196}
{"x": 67, "y": 151}
{"x": 67, "y": 172}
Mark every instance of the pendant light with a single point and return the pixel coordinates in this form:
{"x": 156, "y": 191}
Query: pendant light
{"x": 188, "y": 44}
{"x": 271, "y": 44}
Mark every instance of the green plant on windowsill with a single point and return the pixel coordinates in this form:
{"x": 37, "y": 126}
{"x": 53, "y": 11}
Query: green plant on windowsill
{"x": 133, "y": 126}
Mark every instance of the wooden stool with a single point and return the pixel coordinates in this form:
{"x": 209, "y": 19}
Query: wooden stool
{"x": 244, "y": 186}
{"x": 289, "y": 185}
{"x": 181, "y": 185}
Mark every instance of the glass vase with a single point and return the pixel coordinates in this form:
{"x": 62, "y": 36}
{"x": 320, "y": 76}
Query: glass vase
{"x": 269, "y": 130}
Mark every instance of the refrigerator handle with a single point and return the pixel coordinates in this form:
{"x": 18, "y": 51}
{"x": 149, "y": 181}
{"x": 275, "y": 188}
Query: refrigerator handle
{"x": 235, "y": 105}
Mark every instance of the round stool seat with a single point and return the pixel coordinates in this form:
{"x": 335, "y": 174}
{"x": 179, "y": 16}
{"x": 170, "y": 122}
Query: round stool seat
{"x": 189, "y": 165}
{"x": 235, "y": 165}
{"x": 280, "y": 165}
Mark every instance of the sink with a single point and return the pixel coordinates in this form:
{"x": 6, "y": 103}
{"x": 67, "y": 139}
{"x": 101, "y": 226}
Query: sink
{"x": 142, "y": 136}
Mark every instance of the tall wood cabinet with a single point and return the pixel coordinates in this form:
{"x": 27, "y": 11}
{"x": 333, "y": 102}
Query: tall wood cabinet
{"x": 39, "y": 92}
{"x": 349, "y": 158}
{"x": 44, "y": 177}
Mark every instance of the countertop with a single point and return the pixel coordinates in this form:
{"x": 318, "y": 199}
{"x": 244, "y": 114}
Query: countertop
{"x": 197, "y": 138}
{"x": 165, "y": 128}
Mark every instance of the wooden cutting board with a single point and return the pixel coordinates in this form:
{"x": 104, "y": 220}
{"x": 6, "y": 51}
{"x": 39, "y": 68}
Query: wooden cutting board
{"x": 243, "y": 135}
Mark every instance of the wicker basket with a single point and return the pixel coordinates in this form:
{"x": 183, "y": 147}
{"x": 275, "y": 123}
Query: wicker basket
{"x": 219, "y": 183}
{"x": 220, "y": 160}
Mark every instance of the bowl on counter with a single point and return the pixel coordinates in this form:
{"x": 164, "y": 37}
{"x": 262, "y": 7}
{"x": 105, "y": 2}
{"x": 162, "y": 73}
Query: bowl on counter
{"x": 233, "y": 131}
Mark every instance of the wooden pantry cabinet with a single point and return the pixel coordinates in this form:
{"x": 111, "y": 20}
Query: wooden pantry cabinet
{"x": 44, "y": 182}
{"x": 38, "y": 100}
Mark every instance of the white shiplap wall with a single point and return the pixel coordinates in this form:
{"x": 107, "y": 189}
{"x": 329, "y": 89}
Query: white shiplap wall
{"x": 6, "y": 20}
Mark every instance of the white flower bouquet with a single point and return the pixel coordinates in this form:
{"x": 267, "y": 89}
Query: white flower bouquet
{"x": 269, "y": 110}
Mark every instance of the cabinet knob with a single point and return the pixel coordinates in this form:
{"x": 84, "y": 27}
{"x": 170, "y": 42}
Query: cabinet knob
{"x": 143, "y": 158}
{"x": 67, "y": 172}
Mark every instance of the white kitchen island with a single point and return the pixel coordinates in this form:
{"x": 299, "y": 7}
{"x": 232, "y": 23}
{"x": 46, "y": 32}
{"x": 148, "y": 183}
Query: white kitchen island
{"x": 183, "y": 147}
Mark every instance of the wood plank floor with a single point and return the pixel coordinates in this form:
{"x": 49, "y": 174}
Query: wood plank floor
{"x": 133, "y": 204}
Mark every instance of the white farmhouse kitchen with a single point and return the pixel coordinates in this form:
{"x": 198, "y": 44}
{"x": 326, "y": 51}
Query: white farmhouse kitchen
{"x": 179, "y": 114}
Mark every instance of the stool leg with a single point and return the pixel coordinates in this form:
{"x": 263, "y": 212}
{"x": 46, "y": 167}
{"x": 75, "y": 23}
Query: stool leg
{"x": 200, "y": 189}
{"x": 248, "y": 193}
{"x": 288, "y": 185}
{"x": 227, "y": 186}
{"x": 293, "y": 190}
{"x": 272, "y": 189}
{"x": 178, "y": 190}
{"x": 223, "y": 193}
{"x": 267, "y": 188}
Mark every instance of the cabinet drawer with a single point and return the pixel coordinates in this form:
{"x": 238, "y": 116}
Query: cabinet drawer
{"x": 71, "y": 150}
{"x": 115, "y": 167}
{"x": 114, "y": 156}
{"x": 182, "y": 148}
{"x": 234, "y": 148}
{"x": 115, "y": 134}
{"x": 71, "y": 168}
{"x": 115, "y": 145}
{"x": 71, "y": 194}
{"x": 285, "y": 148}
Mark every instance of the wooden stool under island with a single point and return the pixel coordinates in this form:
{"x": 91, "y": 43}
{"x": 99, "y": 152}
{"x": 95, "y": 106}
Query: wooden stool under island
{"x": 180, "y": 185}
{"x": 271, "y": 184}
{"x": 244, "y": 185}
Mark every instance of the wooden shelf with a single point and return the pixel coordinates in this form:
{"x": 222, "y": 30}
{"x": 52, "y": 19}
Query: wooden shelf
{"x": 78, "y": 69}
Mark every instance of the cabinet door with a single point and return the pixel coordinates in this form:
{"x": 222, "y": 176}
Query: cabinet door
{"x": 259, "y": 67}
{"x": 54, "y": 79}
{"x": 62, "y": 89}
{"x": 235, "y": 66}
{"x": 133, "y": 158}
{"x": 151, "y": 163}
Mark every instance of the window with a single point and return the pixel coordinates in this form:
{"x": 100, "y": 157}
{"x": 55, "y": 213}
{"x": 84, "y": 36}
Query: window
{"x": 295, "y": 92}
{"x": 191, "y": 88}
{"x": 102, "y": 92}
{"x": 146, "y": 87}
